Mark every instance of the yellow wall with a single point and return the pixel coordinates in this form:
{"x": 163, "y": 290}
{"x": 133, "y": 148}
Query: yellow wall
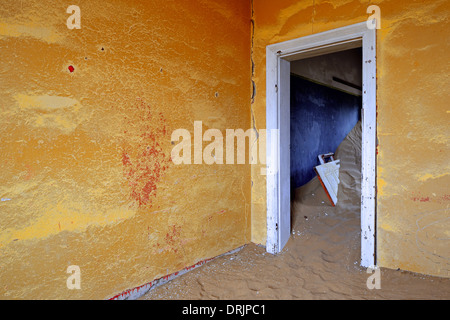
{"x": 413, "y": 116}
{"x": 86, "y": 177}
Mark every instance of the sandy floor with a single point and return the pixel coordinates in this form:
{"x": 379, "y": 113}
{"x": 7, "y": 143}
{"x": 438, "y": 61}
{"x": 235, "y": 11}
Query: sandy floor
{"x": 320, "y": 260}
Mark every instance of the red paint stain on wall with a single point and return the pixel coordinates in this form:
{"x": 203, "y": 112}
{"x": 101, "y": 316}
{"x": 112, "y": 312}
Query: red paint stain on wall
{"x": 438, "y": 199}
{"x": 143, "y": 159}
{"x": 418, "y": 197}
{"x": 173, "y": 234}
{"x": 421, "y": 199}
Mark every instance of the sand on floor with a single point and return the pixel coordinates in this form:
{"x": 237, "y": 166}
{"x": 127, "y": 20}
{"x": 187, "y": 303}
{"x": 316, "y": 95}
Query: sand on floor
{"x": 320, "y": 260}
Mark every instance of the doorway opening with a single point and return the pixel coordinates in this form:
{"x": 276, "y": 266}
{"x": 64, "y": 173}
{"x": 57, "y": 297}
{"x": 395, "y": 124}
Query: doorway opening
{"x": 325, "y": 147}
{"x": 279, "y": 58}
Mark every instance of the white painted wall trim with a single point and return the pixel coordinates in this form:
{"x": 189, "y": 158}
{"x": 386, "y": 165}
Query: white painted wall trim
{"x": 348, "y": 37}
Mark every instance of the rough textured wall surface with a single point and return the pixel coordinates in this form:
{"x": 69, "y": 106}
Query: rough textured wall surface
{"x": 86, "y": 117}
{"x": 412, "y": 126}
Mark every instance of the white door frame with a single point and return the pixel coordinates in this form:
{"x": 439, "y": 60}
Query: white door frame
{"x": 357, "y": 35}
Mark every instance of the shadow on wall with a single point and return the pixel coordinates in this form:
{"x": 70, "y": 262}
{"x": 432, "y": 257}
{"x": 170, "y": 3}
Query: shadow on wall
{"x": 321, "y": 117}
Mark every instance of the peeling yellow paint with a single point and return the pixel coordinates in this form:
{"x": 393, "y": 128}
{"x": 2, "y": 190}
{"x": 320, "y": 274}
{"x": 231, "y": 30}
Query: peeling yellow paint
{"x": 380, "y": 186}
{"x": 389, "y": 227}
{"x": 427, "y": 176}
{"x": 51, "y": 112}
{"x": 65, "y": 217}
{"x": 30, "y": 30}
{"x": 46, "y": 102}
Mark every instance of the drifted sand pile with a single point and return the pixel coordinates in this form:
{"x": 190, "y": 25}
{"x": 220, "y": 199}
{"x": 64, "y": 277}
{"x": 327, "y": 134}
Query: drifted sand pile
{"x": 320, "y": 260}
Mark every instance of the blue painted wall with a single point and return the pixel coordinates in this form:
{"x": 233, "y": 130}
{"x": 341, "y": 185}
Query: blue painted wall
{"x": 321, "y": 117}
